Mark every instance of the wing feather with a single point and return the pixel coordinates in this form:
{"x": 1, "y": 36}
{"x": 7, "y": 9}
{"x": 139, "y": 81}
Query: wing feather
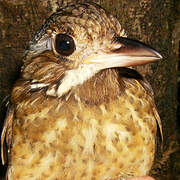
{"x": 6, "y": 135}
{"x": 149, "y": 89}
{"x": 156, "y": 114}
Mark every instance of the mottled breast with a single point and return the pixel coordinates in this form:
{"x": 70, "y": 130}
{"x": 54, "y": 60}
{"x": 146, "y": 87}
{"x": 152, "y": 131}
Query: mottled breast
{"x": 73, "y": 138}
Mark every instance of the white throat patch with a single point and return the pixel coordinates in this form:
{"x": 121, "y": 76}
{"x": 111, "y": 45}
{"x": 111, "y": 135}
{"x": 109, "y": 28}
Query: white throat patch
{"x": 76, "y": 77}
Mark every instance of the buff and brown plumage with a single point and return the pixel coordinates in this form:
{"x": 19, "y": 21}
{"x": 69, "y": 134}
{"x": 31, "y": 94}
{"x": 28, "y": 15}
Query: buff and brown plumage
{"x": 74, "y": 115}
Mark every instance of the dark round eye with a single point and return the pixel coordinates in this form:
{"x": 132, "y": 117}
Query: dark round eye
{"x": 64, "y": 44}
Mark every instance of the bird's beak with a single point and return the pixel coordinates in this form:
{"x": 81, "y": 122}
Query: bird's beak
{"x": 127, "y": 52}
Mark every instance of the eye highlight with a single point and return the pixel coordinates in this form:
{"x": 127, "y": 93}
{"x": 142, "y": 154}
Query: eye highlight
{"x": 64, "y": 44}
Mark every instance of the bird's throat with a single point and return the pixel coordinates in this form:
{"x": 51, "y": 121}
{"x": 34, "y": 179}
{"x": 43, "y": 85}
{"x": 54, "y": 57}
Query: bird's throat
{"x": 104, "y": 86}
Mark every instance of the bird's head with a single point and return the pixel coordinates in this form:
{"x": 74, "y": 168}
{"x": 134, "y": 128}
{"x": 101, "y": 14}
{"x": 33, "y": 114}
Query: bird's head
{"x": 75, "y": 43}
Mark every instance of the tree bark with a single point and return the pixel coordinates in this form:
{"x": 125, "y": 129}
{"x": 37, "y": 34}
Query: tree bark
{"x": 151, "y": 21}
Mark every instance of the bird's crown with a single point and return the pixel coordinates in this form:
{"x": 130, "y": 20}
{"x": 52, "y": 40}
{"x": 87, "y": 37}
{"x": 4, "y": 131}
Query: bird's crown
{"x": 86, "y": 26}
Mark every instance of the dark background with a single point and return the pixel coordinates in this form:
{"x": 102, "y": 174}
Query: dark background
{"x": 155, "y": 22}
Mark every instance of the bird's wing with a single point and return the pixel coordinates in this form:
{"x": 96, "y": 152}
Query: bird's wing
{"x": 156, "y": 114}
{"x": 149, "y": 89}
{"x": 131, "y": 73}
{"x": 6, "y": 134}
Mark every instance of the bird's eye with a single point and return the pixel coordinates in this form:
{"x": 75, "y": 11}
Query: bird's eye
{"x": 64, "y": 44}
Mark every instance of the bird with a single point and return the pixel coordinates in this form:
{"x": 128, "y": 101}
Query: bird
{"x": 79, "y": 109}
